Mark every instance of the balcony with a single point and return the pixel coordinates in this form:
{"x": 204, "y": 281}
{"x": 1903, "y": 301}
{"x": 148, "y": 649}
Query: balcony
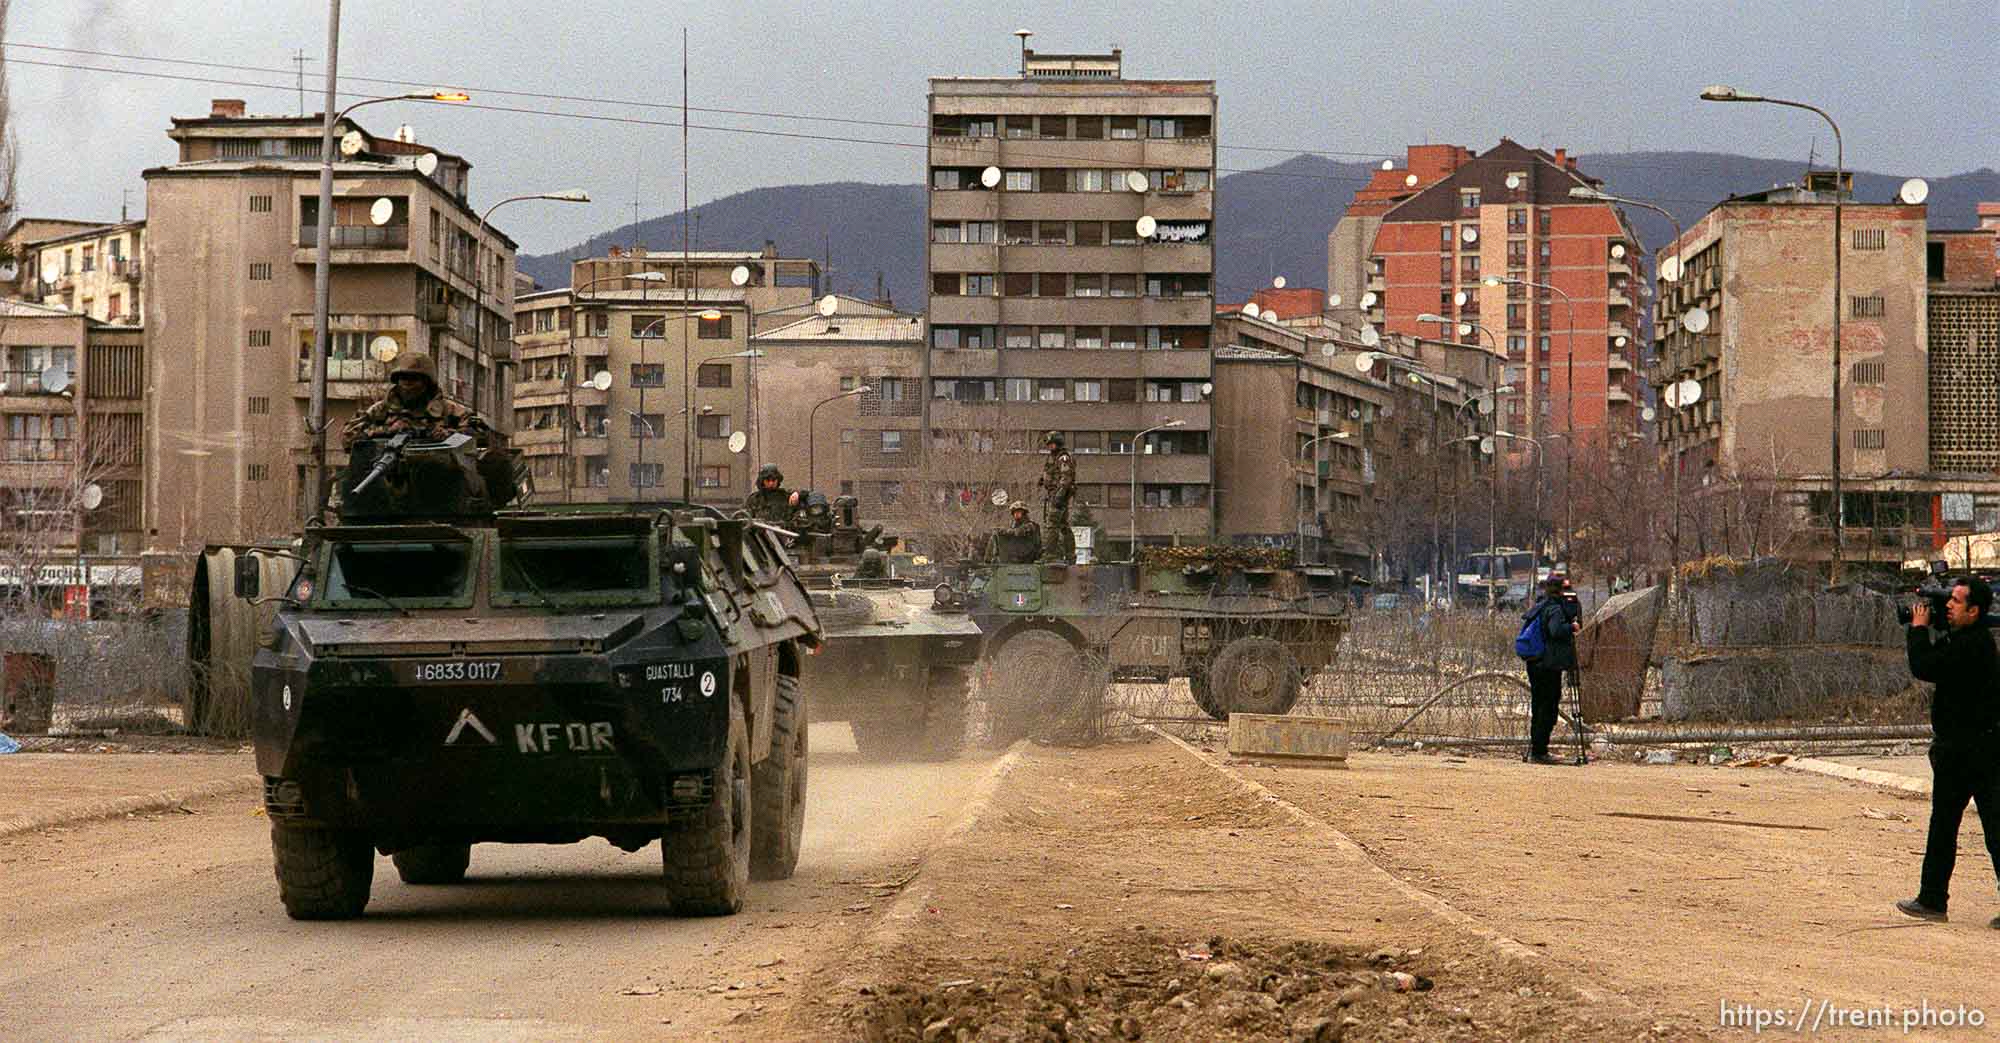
{"x": 1616, "y": 330}
{"x": 1618, "y": 362}
{"x": 1617, "y": 299}
{"x": 1614, "y": 393}
{"x": 964, "y": 152}
{"x": 547, "y": 436}
{"x": 1160, "y": 521}
{"x": 1179, "y": 153}
{"x": 24, "y": 382}
{"x": 1154, "y": 468}
{"x": 360, "y": 237}
{"x": 1617, "y": 266}
{"x": 366, "y": 370}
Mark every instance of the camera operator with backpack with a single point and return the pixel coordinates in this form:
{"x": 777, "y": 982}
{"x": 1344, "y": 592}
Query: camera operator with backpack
{"x": 1547, "y": 643}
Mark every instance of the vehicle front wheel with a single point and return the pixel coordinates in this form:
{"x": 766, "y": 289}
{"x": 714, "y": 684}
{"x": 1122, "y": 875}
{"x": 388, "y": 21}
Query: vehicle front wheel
{"x": 705, "y": 854}
{"x": 778, "y": 786}
{"x": 323, "y": 874}
{"x": 1254, "y": 675}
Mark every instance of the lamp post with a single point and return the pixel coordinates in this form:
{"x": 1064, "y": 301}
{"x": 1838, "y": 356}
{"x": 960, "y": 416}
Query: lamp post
{"x": 1304, "y": 449}
{"x": 572, "y": 195}
{"x": 1569, "y": 393}
{"x": 1720, "y": 92}
{"x": 1419, "y": 375}
{"x": 575, "y": 319}
{"x": 1533, "y": 540}
{"x": 750, "y": 357}
{"x": 1132, "y": 508}
{"x": 322, "y": 249}
{"x": 812, "y": 431}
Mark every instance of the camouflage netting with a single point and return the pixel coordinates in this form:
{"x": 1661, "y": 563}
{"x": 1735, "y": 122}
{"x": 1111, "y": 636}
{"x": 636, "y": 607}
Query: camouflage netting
{"x": 1216, "y": 556}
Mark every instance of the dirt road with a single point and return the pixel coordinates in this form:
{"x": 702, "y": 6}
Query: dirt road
{"x": 168, "y": 927}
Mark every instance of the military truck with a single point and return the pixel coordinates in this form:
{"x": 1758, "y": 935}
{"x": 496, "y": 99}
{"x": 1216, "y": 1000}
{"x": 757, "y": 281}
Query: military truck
{"x": 1243, "y": 627}
{"x": 443, "y": 674}
{"x": 897, "y": 663}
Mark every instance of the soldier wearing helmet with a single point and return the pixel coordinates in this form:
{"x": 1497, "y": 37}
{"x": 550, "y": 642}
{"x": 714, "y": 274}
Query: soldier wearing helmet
{"x": 1058, "y": 482}
{"x": 416, "y": 404}
{"x": 771, "y": 503}
{"x": 1021, "y": 542}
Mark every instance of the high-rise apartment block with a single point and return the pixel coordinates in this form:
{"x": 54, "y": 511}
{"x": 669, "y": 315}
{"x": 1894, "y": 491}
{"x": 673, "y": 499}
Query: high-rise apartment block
{"x": 231, "y": 232}
{"x": 1427, "y": 237}
{"x": 1070, "y": 230}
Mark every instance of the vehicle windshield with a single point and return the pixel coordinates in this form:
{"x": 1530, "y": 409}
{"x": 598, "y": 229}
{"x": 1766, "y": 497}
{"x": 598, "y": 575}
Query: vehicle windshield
{"x": 426, "y": 572}
{"x": 594, "y": 570}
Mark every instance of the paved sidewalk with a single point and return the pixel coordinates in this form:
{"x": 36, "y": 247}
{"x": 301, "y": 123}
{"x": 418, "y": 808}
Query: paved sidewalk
{"x": 44, "y": 789}
{"x": 1910, "y": 773}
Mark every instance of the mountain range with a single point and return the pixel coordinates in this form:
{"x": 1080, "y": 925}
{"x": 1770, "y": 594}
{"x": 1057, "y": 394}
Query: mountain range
{"x": 1272, "y": 221}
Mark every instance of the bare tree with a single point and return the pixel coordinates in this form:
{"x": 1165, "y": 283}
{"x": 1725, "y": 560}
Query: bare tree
{"x": 950, "y": 512}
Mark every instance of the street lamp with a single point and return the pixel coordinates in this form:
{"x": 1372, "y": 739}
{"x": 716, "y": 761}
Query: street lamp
{"x": 322, "y": 249}
{"x": 812, "y": 430}
{"x": 1138, "y": 442}
{"x": 1719, "y": 92}
{"x": 572, "y": 195}
{"x": 1304, "y": 449}
{"x": 1569, "y": 395}
{"x": 1365, "y": 362}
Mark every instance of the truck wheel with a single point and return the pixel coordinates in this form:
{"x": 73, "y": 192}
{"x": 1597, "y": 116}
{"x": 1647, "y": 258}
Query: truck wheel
{"x": 885, "y": 739}
{"x": 705, "y": 854}
{"x": 1034, "y": 674}
{"x": 1204, "y": 695}
{"x": 778, "y": 789}
{"x": 433, "y": 863}
{"x": 946, "y": 694}
{"x": 1253, "y": 675}
{"x": 323, "y": 874}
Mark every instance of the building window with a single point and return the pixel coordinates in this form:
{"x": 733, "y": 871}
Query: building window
{"x": 1517, "y": 221}
{"x": 1018, "y": 337}
{"x": 259, "y": 473}
{"x": 1088, "y": 391}
{"x": 715, "y": 477}
{"x": 847, "y": 384}
{"x": 846, "y": 436}
{"x": 596, "y": 471}
{"x": 1871, "y": 307}
{"x": 712, "y": 425}
{"x": 1124, "y": 338}
{"x": 1870, "y": 438}
{"x": 889, "y": 389}
{"x": 712, "y": 375}
{"x": 1087, "y": 179}
{"x": 1088, "y": 338}
{"x": 260, "y": 271}
{"x": 1122, "y": 389}
{"x": 649, "y": 375}
{"x": 1088, "y": 285}
{"x": 1517, "y": 344}
{"x": 259, "y": 405}
{"x": 1020, "y": 389}
{"x": 1468, "y": 268}
{"x": 1051, "y": 390}
{"x": 648, "y": 425}
{"x": 260, "y": 204}
{"x": 646, "y": 476}
{"x": 979, "y": 285}
{"x": 1444, "y": 238}
{"x": 1468, "y": 199}
{"x": 1124, "y": 128}
{"x": 1019, "y": 181}
{"x": 1871, "y": 238}
{"x": 1053, "y": 338}
{"x": 260, "y": 338}
{"x": 892, "y": 442}
{"x": 712, "y": 329}
{"x": 1123, "y": 285}
{"x": 1517, "y": 253}
{"x": 946, "y": 179}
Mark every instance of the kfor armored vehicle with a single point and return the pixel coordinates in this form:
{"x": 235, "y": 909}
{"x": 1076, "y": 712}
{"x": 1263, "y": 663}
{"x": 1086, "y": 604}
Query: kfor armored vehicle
{"x": 443, "y": 674}
{"x": 897, "y": 663}
{"x": 1243, "y": 627}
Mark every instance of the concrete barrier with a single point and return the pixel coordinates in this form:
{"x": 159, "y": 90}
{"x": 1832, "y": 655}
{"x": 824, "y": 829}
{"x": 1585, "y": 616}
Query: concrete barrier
{"x": 1294, "y": 741}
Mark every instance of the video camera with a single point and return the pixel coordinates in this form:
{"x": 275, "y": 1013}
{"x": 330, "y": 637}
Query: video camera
{"x": 1935, "y": 590}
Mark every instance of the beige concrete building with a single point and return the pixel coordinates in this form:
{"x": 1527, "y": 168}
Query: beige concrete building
{"x": 20, "y": 277}
{"x": 672, "y": 331}
{"x": 72, "y": 409}
{"x": 1044, "y": 294}
{"x": 229, "y": 251}
{"x": 1760, "y": 266}
{"x": 96, "y": 272}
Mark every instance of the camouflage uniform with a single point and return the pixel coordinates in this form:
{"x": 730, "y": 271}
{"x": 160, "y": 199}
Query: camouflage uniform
{"x": 770, "y": 506}
{"x": 1058, "y": 483}
{"x": 1022, "y": 535}
{"x": 433, "y": 414}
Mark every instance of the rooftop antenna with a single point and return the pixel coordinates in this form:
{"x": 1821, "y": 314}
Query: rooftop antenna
{"x": 299, "y": 59}
{"x": 1024, "y": 34}
{"x": 124, "y": 205}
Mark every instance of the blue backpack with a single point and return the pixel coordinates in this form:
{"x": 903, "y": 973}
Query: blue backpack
{"x": 1530, "y": 643}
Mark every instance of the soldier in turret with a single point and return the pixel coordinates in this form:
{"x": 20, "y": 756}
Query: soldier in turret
{"x": 771, "y": 503}
{"x": 416, "y": 404}
{"x": 1057, "y": 483}
{"x": 1023, "y": 539}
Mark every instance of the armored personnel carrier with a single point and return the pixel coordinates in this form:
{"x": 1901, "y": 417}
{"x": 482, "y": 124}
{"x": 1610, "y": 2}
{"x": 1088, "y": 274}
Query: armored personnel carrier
{"x": 443, "y": 674}
{"x": 1244, "y": 628}
{"x": 897, "y": 660}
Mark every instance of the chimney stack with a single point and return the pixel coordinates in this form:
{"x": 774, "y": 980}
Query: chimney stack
{"x": 225, "y": 108}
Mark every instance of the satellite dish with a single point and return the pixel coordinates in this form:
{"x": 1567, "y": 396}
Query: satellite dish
{"x": 1207, "y": 388}
{"x": 1646, "y": 414}
{"x": 999, "y": 498}
{"x": 1460, "y": 298}
{"x": 1914, "y": 191}
{"x": 1671, "y": 395}
{"x": 1147, "y": 226}
{"x": 1465, "y": 329}
{"x": 1328, "y": 349}
{"x": 1136, "y": 181}
{"x": 381, "y": 211}
{"x": 1670, "y": 269}
{"x": 1486, "y": 444}
{"x": 1370, "y": 336}
{"x": 1690, "y": 392}
{"x": 1696, "y": 320}
{"x": 1368, "y": 300}
{"x": 55, "y": 380}
{"x": 740, "y": 275}
{"x": 1411, "y": 180}
{"x": 602, "y": 380}
{"x": 1617, "y": 251}
{"x": 1386, "y": 410}
{"x": 1486, "y": 408}
{"x": 384, "y": 349}
{"x": 990, "y": 177}
{"x": 93, "y": 496}
{"x": 1617, "y": 342}
{"x": 9, "y": 271}
{"x": 1388, "y": 164}
{"x": 427, "y": 164}
{"x": 827, "y": 306}
{"x": 738, "y": 441}
{"x": 1468, "y": 234}
{"x": 1364, "y": 361}
{"x": 1513, "y": 182}
{"x": 351, "y": 143}
{"x": 1333, "y": 300}
{"x": 1278, "y": 283}
{"x": 1250, "y": 311}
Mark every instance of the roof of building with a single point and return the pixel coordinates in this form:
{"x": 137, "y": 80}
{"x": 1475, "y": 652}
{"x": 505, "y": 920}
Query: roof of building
{"x": 894, "y": 327}
{"x": 1246, "y": 353}
{"x": 16, "y": 224}
{"x": 93, "y": 232}
{"x": 19, "y": 309}
{"x": 662, "y": 295}
{"x": 1439, "y": 201}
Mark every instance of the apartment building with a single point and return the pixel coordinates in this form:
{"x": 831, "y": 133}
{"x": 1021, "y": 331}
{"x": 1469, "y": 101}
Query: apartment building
{"x": 1570, "y": 343}
{"x": 229, "y": 252}
{"x": 1962, "y": 331}
{"x": 20, "y": 276}
{"x": 671, "y": 332}
{"x": 1914, "y": 419}
{"x": 1070, "y": 231}
{"x": 72, "y": 409}
{"x": 96, "y": 272}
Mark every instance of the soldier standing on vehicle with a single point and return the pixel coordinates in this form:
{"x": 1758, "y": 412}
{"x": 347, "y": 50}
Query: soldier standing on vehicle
{"x": 1058, "y": 482}
{"x": 770, "y": 504}
{"x": 415, "y": 404}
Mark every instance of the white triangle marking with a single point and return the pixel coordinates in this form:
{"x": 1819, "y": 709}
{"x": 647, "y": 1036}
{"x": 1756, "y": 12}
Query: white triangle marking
{"x": 465, "y": 718}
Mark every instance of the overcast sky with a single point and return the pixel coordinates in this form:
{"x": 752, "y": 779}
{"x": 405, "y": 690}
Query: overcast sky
{"x": 1913, "y": 83}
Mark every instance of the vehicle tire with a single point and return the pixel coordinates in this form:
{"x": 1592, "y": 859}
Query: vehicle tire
{"x": 705, "y": 854}
{"x": 778, "y": 789}
{"x": 323, "y": 874}
{"x": 433, "y": 863}
{"x": 1034, "y": 675}
{"x": 947, "y": 692}
{"x": 1204, "y": 695}
{"x": 886, "y": 739}
{"x": 1253, "y": 675}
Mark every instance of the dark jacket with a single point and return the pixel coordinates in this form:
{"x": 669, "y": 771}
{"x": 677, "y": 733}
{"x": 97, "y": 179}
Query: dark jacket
{"x": 1961, "y": 663}
{"x": 1559, "y": 640}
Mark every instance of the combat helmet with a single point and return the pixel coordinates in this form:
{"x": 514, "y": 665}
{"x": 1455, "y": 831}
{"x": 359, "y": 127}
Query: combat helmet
{"x": 415, "y": 364}
{"x": 770, "y": 471}
{"x": 1054, "y": 438}
{"x": 1017, "y": 505}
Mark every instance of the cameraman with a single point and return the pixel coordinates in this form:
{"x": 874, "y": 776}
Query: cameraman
{"x": 1965, "y": 714}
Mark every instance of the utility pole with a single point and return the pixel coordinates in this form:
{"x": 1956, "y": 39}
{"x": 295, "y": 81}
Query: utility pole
{"x": 322, "y": 267}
